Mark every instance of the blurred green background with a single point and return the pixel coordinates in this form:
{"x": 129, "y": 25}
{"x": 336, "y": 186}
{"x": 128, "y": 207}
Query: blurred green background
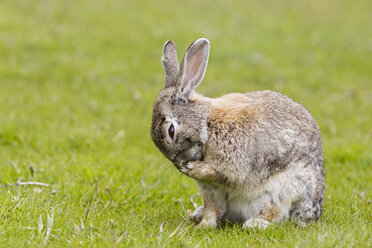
{"x": 77, "y": 82}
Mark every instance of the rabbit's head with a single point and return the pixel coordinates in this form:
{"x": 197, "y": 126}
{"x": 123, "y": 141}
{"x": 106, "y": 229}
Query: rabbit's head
{"x": 178, "y": 122}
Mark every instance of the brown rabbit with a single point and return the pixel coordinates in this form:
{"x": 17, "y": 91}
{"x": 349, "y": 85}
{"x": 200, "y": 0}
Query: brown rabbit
{"x": 256, "y": 157}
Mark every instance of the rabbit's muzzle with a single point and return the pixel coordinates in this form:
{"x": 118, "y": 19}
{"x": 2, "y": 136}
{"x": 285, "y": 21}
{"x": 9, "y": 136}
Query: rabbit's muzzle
{"x": 193, "y": 153}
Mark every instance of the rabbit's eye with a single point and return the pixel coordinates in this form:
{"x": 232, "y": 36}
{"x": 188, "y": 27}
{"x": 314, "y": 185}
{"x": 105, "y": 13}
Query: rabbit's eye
{"x": 171, "y": 131}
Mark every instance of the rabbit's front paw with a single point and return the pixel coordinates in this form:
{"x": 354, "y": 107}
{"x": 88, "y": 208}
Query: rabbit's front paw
{"x": 196, "y": 169}
{"x": 200, "y": 170}
{"x": 186, "y": 168}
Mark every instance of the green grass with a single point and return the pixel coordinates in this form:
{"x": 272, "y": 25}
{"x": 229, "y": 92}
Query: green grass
{"x": 77, "y": 82}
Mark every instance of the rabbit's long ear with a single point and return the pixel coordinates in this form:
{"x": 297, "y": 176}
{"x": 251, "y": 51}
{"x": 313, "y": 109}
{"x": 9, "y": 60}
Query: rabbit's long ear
{"x": 193, "y": 66}
{"x": 170, "y": 63}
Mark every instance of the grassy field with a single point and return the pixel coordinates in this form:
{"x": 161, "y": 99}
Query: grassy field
{"x": 77, "y": 82}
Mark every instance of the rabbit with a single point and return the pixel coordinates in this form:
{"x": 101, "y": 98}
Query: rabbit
{"x": 257, "y": 157}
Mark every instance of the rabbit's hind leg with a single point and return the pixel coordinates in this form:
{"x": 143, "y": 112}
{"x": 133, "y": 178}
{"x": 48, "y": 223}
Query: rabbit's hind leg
{"x": 305, "y": 210}
{"x": 256, "y": 223}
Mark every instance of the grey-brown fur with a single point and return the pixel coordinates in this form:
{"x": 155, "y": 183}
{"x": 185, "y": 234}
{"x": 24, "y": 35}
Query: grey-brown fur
{"x": 256, "y": 157}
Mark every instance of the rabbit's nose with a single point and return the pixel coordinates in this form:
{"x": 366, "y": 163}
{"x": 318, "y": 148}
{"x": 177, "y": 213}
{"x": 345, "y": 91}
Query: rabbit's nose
{"x": 190, "y": 154}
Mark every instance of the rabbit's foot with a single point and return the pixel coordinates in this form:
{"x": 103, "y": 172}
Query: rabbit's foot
{"x": 197, "y": 215}
{"x": 208, "y": 221}
{"x": 256, "y": 223}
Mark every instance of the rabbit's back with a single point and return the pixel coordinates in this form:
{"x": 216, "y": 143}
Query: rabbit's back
{"x": 258, "y": 134}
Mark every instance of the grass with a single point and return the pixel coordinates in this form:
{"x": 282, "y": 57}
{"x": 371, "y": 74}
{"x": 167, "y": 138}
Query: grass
{"x": 77, "y": 82}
